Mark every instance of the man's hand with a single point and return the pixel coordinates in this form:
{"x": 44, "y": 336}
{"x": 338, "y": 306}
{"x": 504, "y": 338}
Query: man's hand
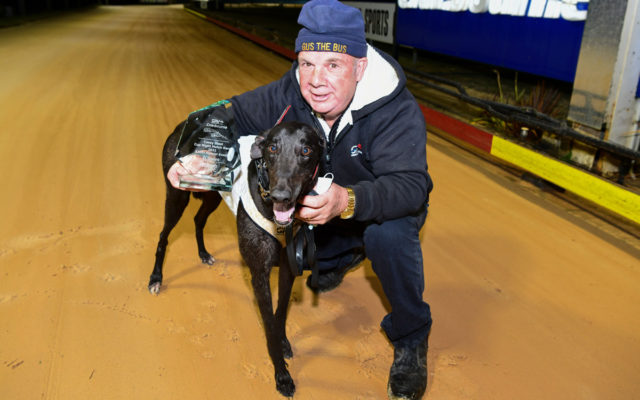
{"x": 174, "y": 174}
{"x": 320, "y": 209}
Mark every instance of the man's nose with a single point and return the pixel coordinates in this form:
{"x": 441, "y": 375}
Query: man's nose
{"x": 317, "y": 77}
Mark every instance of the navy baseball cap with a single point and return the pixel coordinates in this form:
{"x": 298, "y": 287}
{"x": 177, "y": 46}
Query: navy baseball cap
{"x": 329, "y": 25}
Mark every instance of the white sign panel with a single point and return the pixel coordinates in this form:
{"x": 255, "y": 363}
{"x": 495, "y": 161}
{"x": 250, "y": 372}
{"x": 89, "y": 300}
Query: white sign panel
{"x": 378, "y": 19}
{"x": 571, "y": 10}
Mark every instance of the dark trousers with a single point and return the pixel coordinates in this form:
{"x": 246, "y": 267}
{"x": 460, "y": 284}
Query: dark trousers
{"x": 393, "y": 247}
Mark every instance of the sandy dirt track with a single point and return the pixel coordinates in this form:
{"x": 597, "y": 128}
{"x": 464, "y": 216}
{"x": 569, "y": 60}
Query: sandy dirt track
{"x": 529, "y": 300}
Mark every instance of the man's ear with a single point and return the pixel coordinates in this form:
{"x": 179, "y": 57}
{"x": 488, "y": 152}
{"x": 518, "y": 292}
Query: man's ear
{"x": 361, "y": 65}
{"x": 256, "y": 148}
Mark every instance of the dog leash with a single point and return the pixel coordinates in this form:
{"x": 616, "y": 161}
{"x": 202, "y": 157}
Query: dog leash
{"x": 301, "y": 245}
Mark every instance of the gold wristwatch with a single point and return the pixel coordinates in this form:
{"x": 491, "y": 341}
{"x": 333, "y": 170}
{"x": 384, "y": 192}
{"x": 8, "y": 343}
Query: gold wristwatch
{"x": 351, "y": 205}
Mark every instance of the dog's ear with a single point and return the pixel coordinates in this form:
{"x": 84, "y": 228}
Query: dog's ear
{"x": 321, "y": 138}
{"x": 323, "y": 142}
{"x": 256, "y": 148}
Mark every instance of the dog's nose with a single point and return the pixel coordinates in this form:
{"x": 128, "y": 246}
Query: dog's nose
{"x": 281, "y": 195}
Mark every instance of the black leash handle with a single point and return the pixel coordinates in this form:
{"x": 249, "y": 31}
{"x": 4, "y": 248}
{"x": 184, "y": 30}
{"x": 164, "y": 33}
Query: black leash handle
{"x": 311, "y": 253}
{"x": 291, "y": 250}
{"x": 303, "y": 243}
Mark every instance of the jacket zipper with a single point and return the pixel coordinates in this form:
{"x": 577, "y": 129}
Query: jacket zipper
{"x": 333, "y": 132}
{"x": 327, "y": 157}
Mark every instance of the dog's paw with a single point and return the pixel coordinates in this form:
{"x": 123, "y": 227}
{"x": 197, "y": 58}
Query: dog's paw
{"x": 154, "y": 288}
{"x": 286, "y": 349}
{"x": 284, "y": 384}
{"x": 206, "y": 258}
{"x": 155, "y": 281}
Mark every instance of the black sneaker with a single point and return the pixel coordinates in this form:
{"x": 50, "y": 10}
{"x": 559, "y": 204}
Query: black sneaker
{"x": 331, "y": 279}
{"x": 408, "y": 375}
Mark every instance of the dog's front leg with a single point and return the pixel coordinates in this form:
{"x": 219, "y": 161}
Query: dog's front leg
{"x": 260, "y": 252}
{"x": 285, "y": 284}
{"x": 275, "y": 340}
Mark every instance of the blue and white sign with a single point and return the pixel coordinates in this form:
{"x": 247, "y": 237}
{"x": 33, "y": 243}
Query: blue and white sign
{"x": 572, "y": 10}
{"x": 538, "y": 36}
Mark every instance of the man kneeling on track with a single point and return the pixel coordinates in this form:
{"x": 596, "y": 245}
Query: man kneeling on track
{"x": 376, "y": 151}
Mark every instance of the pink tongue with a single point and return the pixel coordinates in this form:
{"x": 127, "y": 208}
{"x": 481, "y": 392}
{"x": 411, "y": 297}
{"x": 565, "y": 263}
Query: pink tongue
{"x": 283, "y": 216}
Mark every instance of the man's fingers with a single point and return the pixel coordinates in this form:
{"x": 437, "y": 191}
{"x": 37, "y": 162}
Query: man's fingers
{"x": 173, "y": 175}
{"x": 322, "y": 208}
{"x": 314, "y": 201}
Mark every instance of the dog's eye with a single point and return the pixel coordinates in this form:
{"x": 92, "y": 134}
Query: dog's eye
{"x": 273, "y": 148}
{"x": 306, "y": 151}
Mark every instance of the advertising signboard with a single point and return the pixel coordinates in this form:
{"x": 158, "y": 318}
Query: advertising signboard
{"x": 536, "y": 36}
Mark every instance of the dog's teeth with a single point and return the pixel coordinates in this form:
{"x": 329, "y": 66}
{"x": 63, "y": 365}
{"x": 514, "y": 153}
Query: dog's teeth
{"x": 283, "y": 217}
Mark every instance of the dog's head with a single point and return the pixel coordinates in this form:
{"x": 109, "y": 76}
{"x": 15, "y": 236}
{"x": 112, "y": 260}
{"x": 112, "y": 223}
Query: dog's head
{"x": 291, "y": 152}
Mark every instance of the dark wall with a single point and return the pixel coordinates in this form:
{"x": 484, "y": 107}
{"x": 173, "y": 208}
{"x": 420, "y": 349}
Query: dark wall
{"x": 16, "y": 8}
{"x": 22, "y": 8}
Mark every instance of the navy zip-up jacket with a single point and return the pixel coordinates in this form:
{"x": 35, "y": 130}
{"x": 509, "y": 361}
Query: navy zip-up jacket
{"x": 379, "y": 152}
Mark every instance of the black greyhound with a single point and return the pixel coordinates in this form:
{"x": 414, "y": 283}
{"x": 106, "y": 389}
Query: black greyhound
{"x": 288, "y": 156}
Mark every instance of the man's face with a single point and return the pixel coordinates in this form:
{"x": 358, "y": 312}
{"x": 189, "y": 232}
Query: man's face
{"x": 328, "y": 81}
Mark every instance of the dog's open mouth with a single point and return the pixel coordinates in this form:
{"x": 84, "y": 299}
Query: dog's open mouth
{"x": 283, "y": 213}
